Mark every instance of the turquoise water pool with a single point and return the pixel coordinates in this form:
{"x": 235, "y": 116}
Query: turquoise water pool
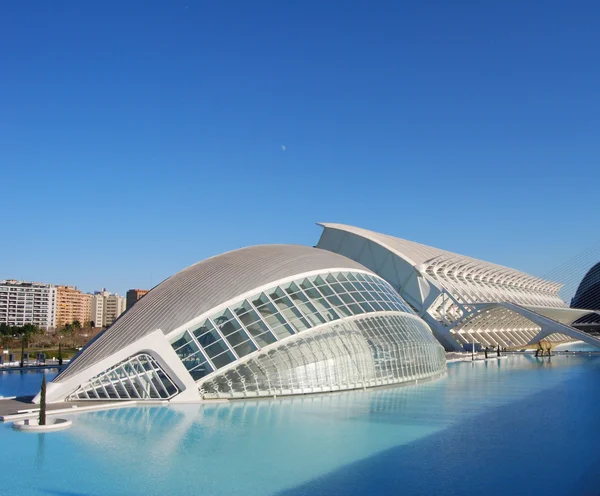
{"x": 23, "y": 382}
{"x": 508, "y": 426}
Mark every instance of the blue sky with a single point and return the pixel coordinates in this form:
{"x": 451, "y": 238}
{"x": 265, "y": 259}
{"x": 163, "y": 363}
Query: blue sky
{"x": 137, "y": 138}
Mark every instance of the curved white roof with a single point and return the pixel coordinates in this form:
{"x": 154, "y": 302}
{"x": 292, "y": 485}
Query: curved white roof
{"x": 418, "y": 254}
{"x": 203, "y": 286}
{"x": 412, "y": 252}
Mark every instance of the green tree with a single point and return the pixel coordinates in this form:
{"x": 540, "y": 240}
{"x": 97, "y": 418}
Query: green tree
{"x": 68, "y": 330}
{"x": 42, "y": 418}
{"x": 76, "y": 332}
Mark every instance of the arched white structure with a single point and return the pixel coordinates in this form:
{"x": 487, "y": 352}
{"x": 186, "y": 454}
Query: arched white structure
{"x": 260, "y": 321}
{"x": 463, "y": 299}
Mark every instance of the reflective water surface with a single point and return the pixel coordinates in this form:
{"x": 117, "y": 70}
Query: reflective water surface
{"x": 508, "y": 426}
{"x": 23, "y": 382}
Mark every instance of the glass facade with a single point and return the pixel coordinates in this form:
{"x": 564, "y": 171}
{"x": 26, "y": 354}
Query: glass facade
{"x": 360, "y": 352}
{"x": 137, "y": 378}
{"x": 280, "y": 312}
{"x": 357, "y": 346}
{"x": 327, "y": 332}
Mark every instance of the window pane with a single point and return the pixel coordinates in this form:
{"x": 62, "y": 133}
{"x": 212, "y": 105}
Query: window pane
{"x": 192, "y": 361}
{"x": 282, "y": 331}
{"x": 309, "y": 310}
{"x": 261, "y": 333}
{"x": 291, "y": 313}
{"x": 215, "y": 349}
{"x": 185, "y": 345}
{"x": 201, "y": 332}
{"x": 244, "y": 349}
{"x": 271, "y": 315}
{"x": 322, "y": 305}
{"x": 348, "y": 287}
{"x": 223, "y": 359}
{"x": 306, "y": 284}
{"x": 248, "y": 316}
{"x": 242, "y": 309}
{"x": 201, "y": 371}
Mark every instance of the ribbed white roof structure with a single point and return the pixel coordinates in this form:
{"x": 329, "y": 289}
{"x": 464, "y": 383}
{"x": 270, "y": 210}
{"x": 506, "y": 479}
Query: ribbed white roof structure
{"x": 438, "y": 260}
{"x": 203, "y": 286}
{"x": 449, "y": 290}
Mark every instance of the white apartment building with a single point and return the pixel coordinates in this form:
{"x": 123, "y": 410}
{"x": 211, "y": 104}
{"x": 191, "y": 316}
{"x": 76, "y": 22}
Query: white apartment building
{"x": 27, "y": 303}
{"x": 106, "y": 307}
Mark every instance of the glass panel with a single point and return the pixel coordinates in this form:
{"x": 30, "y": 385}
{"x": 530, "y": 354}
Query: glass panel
{"x": 271, "y": 315}
{"x": 376, "y": 306}
{"x": 351, "y": 304}
{"x": 216, "y": 348}
{"x": 322, "y": 305}
{"x": 348, "y": 287}
{"x": 282, "y": 331}
{"x": 291, "y": 313}
{"x": 262, "y": 299}
{"x": 318, "y": 281}
{"x": 246, "y": 313}
{"x": 138, "y": 377}
{"x": 337, "y": 288}
{"x": 308, "y": 309}
{"x": 186, "y": 347}
{"x": 276, "y": 293}
{"x": 306, "y": 284}
{"x": 236, "y": 338}
{"x": 223, "y": 359}
{"x": 226, "y": 322}
{"x": 203, "y": 328}
{"x": 244, "y": 349}
{"x": 261, "y": 334}
{"x": 181, "y": 341}
{"x": 201, "y": 371}
{"x": 192, "y": 361}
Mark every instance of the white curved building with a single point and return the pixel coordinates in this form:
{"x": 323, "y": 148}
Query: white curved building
{"x": 260, "y": 321}
{"x": 463, "y": 299}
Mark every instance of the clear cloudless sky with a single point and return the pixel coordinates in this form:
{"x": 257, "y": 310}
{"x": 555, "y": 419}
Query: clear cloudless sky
{"x": 139, "y": 137}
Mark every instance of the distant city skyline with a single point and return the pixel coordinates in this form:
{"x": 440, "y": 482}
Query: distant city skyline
{"x": 139, "y": 138}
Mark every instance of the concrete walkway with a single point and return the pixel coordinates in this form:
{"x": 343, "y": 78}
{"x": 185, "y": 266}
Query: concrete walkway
{"x": 22, "y": 407}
